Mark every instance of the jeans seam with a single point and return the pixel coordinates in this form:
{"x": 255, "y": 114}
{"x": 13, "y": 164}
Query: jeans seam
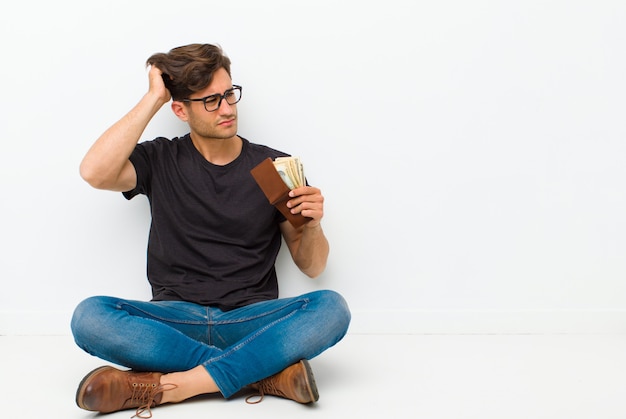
{"x": 304, "y": 302}
{"x": 120, "y": 306}
{"x": 209, "y": 324}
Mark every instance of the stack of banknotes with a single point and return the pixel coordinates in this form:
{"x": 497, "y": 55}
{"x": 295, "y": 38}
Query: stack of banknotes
{"x": 291, "y": 171}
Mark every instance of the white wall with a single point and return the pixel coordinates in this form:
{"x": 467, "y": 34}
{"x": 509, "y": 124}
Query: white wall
{"x": 471, "y": 153}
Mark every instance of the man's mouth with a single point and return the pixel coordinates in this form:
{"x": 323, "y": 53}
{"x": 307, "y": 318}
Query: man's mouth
{"x": 227, "y": 122}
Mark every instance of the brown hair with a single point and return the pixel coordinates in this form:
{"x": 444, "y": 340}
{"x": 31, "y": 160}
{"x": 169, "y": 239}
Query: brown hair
{"x": 190, "y": 68}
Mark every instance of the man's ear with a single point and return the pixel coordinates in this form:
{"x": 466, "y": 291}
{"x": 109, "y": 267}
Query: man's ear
{"x": 179, "y": 110}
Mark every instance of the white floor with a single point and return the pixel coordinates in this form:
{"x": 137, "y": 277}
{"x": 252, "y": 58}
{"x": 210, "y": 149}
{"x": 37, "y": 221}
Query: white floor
{"x": 369, "y": 376}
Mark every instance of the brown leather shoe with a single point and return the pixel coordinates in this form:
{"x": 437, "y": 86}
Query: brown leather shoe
{"x": 107, "y": 389}
{"x": 295, "y": 382}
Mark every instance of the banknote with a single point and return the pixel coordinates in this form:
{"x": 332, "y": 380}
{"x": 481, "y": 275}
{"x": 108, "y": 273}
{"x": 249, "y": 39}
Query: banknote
{"x": 291, "y": 171}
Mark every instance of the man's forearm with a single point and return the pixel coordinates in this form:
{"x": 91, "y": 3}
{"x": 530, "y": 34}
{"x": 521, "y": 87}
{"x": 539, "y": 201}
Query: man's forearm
{"x": 102, "y": 165}
{"x": 313, "y": 250}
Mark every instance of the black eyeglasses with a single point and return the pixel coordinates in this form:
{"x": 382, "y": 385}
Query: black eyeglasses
{"x": 213, "y": 102}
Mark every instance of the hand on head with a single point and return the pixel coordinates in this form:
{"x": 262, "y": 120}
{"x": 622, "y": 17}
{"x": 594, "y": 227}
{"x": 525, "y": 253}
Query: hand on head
{"x": 157, "y": 86}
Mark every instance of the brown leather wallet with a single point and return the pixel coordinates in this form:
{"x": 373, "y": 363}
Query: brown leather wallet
{"x": 276, "y": 191}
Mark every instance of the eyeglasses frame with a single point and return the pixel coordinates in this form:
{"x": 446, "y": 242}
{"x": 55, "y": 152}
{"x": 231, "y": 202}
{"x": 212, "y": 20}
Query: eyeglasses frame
{"x": 215, "y": 95}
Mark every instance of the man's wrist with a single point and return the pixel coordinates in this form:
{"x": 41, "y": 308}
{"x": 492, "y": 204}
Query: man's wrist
{"x": 313, "y": 226}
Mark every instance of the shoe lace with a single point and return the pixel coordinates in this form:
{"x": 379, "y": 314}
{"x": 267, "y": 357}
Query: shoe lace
{"x": 144, "y": 394}
{"x": 259, "y": 394}
{"x": 264, "y": 387}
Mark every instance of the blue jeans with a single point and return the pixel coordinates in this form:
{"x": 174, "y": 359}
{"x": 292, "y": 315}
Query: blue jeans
{"x": 237, "y": 347}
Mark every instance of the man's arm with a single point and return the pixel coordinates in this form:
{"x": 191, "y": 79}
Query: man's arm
{"x": 307, "y": 244}
{"x": 106, "y": 164}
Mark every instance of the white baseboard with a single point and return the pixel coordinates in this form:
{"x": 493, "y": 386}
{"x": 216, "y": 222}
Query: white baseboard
{"x": 396, "y": 322}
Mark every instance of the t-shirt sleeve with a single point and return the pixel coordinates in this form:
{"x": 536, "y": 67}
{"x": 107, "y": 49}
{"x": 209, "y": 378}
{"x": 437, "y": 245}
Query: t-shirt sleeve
{"x": 140, "y": 158}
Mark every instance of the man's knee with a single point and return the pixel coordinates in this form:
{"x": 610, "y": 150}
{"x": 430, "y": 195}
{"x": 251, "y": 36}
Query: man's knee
{"x": 86, "y": 319}
{"x": 336, "y": 310}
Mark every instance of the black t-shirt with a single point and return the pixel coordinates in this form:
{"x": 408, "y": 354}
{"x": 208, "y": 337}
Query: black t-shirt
{"x": 214, "y": 237}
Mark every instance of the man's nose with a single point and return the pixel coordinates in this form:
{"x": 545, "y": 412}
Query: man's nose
{"x": 224, "y": 107}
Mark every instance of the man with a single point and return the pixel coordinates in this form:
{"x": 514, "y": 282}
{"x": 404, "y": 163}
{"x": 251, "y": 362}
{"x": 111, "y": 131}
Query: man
{"x": 215, "y": 323}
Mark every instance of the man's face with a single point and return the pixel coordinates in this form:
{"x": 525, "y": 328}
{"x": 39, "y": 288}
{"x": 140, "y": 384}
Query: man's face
{"x": 220, "y": 123}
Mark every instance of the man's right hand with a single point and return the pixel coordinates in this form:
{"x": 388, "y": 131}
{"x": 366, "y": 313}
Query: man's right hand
{"x": 157, "y": 86}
